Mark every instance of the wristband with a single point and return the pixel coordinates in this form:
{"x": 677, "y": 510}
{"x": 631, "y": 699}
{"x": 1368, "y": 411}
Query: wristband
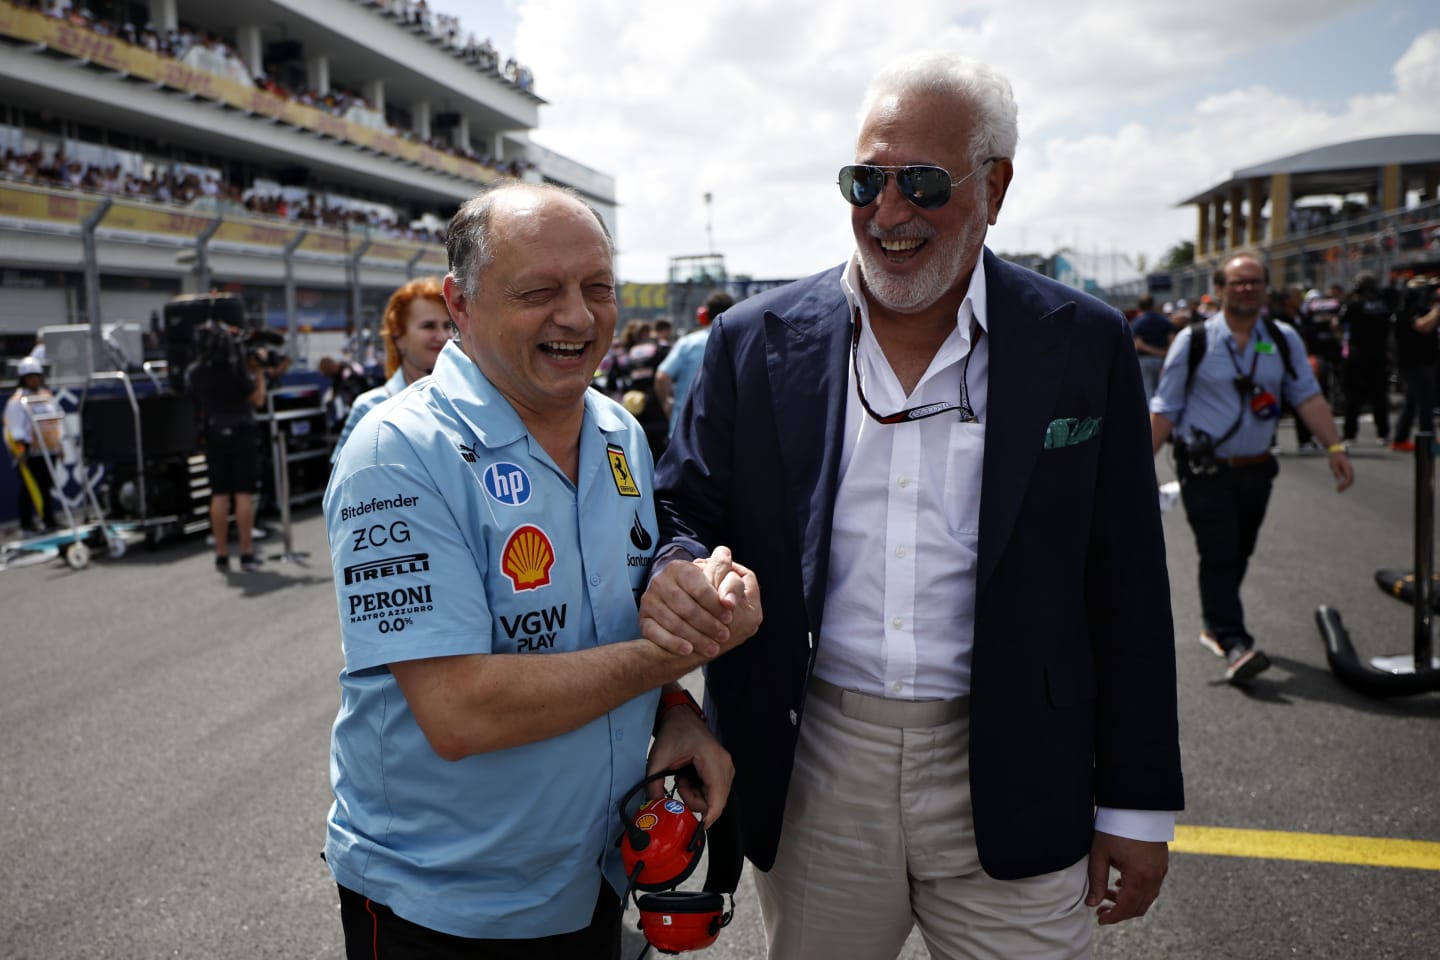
{"x": 676, "y": 698}
{"x": 1336, "y": 448}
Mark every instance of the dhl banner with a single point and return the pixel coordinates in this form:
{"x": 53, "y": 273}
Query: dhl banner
{"x": 21, "y": 202}
{"x": 136, "y": 61}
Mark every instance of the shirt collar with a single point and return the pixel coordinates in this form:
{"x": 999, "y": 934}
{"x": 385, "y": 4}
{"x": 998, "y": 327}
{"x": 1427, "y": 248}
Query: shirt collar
{"x": 1257, "y": 332}
{"x": 487, "y": 412}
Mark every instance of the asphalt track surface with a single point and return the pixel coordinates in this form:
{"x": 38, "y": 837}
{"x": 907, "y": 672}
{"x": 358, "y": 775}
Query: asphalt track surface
{"x": 164, "y": 731}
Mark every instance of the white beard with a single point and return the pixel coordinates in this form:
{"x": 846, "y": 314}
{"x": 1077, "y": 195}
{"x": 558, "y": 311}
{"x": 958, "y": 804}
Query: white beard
{"x": 915, "y": 293}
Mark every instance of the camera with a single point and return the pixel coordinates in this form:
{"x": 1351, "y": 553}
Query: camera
{"x": 261, "y": 346}
{"x": 1419, "y": 296}
{"x": 1196, "y": 458}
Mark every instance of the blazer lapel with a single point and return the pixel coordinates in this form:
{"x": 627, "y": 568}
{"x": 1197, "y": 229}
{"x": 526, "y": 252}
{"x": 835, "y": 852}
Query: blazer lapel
{"x": 807, "y": 351}
{"x": 1029, "y": 343}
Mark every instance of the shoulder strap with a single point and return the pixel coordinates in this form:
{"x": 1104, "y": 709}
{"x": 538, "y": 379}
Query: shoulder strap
{"x": 1197, "y": 348}
{"x": 1282, "y": 343}
{"x": 1197, "y": 353}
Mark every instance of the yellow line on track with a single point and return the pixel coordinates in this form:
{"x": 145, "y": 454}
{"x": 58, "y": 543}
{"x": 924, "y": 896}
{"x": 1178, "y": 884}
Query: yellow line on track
{"x": 1313, "y": 847}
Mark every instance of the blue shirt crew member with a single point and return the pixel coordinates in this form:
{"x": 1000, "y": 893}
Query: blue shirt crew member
{"x": 490, "y": 530}
{"x": 448, "y": 492}
{"x": 1153, "y": 334}
{"x": 1222, "y": 416}
{"x": 1211, "y": 403}
{"x": 681, "y": 365}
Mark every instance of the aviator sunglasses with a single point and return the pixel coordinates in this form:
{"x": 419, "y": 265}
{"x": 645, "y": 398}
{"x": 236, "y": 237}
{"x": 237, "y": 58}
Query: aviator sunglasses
{"x": 925, "y": 185}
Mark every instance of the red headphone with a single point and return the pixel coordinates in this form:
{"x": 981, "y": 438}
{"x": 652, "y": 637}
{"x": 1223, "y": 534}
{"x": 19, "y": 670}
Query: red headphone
{"x": 661, "y": 845}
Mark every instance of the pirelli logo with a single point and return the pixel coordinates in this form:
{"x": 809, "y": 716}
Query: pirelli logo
{"x": 388, "y": 567}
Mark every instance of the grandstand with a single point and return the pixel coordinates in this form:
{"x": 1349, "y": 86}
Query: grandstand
{"x": 304, "y": 154}
{"x": 1323, "y": 215}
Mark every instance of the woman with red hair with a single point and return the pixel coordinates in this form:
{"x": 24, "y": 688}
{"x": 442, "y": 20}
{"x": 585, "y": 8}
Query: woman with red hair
{"x": 415, "y": 328}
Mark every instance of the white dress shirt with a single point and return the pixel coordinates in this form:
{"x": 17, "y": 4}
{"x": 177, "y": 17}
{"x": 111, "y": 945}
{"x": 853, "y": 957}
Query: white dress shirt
{"x": 904, "y": 540}
{"x": 907, "y": 521}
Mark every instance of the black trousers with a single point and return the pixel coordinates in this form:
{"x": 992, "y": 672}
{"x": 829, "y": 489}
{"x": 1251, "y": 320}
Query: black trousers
{"x": 1366, "y": 384}
{"x": 25, "y": 507}
{"x": 374, "y": 932}
{"x": 1419, "y": 406}
{"x": 1225, "y": 510}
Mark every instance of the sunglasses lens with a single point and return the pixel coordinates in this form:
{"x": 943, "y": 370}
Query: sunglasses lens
{"x": 861, "y": 184}
{"x": 926, "y": 187}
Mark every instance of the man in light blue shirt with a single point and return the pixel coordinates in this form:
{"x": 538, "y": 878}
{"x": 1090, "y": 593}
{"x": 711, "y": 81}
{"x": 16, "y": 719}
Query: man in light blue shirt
{"x": 491, "y": 529}
{"x": 681, "y": 365}
{"x": 1222, "y": 417}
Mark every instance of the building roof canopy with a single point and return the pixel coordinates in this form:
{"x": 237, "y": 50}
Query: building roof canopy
{"x": 1339, "y": 168}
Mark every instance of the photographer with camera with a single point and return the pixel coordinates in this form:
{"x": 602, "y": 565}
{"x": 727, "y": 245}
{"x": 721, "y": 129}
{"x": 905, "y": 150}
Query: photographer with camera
{"x": 1219, "y": 399}
{"x": 228, "y": 381}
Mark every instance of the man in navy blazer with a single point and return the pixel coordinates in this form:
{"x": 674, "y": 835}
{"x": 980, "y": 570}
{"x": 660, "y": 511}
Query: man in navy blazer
{"x": 942, "y": 478}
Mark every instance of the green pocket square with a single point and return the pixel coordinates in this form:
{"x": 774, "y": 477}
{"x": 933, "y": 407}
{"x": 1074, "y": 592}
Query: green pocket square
{"x": 1068, "y": 431}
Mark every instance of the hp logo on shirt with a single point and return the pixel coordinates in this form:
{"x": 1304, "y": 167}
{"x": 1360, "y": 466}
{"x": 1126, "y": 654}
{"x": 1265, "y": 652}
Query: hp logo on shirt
{"x": 507, "y": 483}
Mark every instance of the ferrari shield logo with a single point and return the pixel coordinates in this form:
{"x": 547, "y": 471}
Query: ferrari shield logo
{"x": 620, "y": 470}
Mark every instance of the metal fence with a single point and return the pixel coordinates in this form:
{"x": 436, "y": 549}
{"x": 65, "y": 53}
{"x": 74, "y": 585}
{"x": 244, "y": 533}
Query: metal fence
{"x": 1388, "y": 245}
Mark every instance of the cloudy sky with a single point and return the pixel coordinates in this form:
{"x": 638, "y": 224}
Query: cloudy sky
{"x": 1126, "y": 107}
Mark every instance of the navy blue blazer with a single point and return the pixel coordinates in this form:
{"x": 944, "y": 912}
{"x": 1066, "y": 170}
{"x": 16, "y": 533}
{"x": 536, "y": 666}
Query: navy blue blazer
{"x": 1073, "y": 698}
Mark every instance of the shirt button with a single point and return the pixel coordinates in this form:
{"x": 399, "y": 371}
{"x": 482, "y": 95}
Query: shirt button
{"x": 897, "y": 623}
{"x": 904, "y": 481}
{"x": 793, "y": 718}
{"x": 897, "y": 686}
{"x": 595, "y": 580}
{"x": 899, "y": 551}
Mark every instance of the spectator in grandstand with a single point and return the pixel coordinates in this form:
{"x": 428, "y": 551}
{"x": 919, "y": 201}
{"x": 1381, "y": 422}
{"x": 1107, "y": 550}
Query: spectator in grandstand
{"x": 416, "y": 326}
{"x": 899, "y": 446}
{"x": 678, "y": 370}
{"x": 505, "y": 511}
{"x": 1365, "y": 316}
{"x": 1153, "y": 333}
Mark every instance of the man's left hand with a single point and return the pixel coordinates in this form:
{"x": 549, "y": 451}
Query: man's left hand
{"x": 683, "y": 738}
{"x": 1141, "y": 865}
{"x": 1342, "y": 469}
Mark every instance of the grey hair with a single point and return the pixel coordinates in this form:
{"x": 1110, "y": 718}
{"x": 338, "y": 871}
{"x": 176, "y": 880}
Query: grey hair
{"x": 966, "y": 81}
{"x": 470, "y": 243}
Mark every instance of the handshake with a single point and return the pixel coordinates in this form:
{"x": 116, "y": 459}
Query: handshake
{"x": 702, "y": 608}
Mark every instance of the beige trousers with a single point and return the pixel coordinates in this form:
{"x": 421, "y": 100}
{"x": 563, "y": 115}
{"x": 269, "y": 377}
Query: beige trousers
{"x": 879, "y": 835}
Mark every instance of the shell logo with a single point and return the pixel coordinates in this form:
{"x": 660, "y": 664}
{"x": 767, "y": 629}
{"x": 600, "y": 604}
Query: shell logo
{"x": 527, "y": 558}
{"x": 646, "y": 821}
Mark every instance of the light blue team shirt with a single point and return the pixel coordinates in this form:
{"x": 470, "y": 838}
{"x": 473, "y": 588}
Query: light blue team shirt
{"x": 453, "y": 532}
{"x": 1213, "y": 401}
{"x": 681, "y": 365}
{"x": 366, "y": 402}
